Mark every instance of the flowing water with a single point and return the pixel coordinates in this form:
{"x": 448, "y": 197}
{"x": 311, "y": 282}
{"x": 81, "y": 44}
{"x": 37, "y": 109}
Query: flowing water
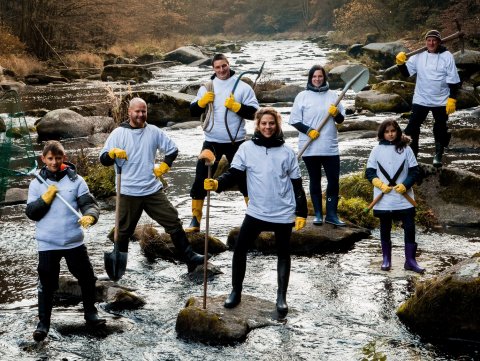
{"x": 343, "y": 306}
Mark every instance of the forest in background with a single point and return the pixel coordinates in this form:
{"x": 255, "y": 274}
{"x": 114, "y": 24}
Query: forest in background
{"x": 43, "y": 27}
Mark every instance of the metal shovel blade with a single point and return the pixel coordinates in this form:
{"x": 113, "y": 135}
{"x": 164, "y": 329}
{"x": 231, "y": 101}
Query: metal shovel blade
{"x": 358, "y": 75}
{"x": 115, "y": 264}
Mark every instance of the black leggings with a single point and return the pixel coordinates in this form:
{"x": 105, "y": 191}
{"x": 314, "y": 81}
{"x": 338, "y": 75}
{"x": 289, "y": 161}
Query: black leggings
{"x": 201, "y": 171}
{"x": 252, "y": 227}
{"x": 331, "y": 165}
{"x": 407, "y": 216}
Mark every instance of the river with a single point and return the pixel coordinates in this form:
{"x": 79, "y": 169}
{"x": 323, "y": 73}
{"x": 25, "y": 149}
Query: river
{"x": 343, "y": 306}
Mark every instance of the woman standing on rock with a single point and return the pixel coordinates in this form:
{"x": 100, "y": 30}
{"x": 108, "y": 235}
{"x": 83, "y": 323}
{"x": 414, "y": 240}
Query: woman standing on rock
{"x": 277, "y": 199}
{"x": 393, "y": 169}
{"x": 309, "y": 109}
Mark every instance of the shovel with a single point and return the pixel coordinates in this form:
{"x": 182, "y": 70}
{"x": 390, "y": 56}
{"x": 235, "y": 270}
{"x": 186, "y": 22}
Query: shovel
{"x": 356, "y": 78}
{"x": 116, "y": 261}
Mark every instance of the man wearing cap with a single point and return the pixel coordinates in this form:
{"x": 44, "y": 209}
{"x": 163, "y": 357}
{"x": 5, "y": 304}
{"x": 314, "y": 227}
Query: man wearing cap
{"x": 436, "y": 90}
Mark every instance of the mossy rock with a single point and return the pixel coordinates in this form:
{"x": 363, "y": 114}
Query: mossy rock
{"x": 159, "y": 245}
{"x": 448, "y": 305}
{"x": 101, "y": 180}
{"x": 216, "y": 325}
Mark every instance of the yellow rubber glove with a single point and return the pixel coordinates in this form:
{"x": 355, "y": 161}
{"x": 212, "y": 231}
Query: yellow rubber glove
{"x": 86, "y": 221}
{"x": 117, "y": 153}
{"x": 313, "y": 134}
{"x": 299, "y": 223}
{"x": 231, "y": 104}
{"x": 333, "y": 110}
{"x": 206, "y": 99}
{"x": 380, "y": 185}
{"x": 400, "y": 188}
{"x": 210, "y": 184}
{"x": 401, "y": 58}
{"x": 160, "y": 169}
{"x": 50, "y": 194}
{"x": 451, "y": 105}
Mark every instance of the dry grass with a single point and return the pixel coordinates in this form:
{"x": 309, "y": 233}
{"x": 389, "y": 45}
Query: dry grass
{"x": 22, "y": 64}
{"x": 83, "y": 60}
{"x": 154, "y": 46}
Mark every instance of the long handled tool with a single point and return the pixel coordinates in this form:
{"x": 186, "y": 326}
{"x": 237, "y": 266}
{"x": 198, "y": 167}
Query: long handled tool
{"x": 209, "y": 161}
{"x": 377, "y": 199}
{"x": 116, "y": 261}
{"x": 356, "y": 78}
{"x": 258, "y": 72}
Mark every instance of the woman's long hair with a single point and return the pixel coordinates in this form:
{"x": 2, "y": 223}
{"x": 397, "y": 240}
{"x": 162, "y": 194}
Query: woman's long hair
{"x": 400, "y": 142}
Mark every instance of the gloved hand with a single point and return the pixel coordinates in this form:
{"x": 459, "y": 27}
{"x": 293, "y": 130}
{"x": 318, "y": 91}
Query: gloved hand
{"x": 117, "y": 153}
{"x": 231, "y": 104}
{"x": 400, "y": 188}
{"x": 50, "y": 194}
{"x": 160, "y": 169}
{"x": 313, "y": 134}
{"x": 210, "y": 184}
{"x": 206, "y": 99}
{"x": 401, "y": 58}
{"x": 451, "y": 103}
{"x": 299, "y": 223}
{"x": 86, "y": 221}
{"x": 380, "y": 185}
{"x": 333, "y": 110}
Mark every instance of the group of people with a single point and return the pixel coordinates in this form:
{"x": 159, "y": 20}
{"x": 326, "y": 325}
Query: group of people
{"x": 264, "y": 168}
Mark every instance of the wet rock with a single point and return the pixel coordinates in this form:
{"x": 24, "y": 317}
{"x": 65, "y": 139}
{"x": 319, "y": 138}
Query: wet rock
{"x": 309, "y": 240}
{"x": 353, "y": 125}
{"x": 448, "y": 305}
{"x": 191, "y": 89}
{"x": 42, "y": 79}
{"x": 197, "y": 274}
{"x": 15, "y": 196}
{"x": 384, "y": 53}
{"x": 185, "y": 125}
{"x": 118, "y": 297}
{"x": 101, "y": 124}
{"x": 335, "y": 75}
{"x": 465, "y": 138}
{"x": 402, "y": 88}
{"x": 284, "y": 94}
{"x": 159, "y": 245}
{"x": 185, "y": 55}
{"x": 36, "y": 112}
{"x": 452, "y": 195}
{"x": 466, "y": 99}
{"x": 63, "y": 124}
{"x": 126, "y": 72}
{"x": 377, "y": 102}
{"x": 217, "y": 325}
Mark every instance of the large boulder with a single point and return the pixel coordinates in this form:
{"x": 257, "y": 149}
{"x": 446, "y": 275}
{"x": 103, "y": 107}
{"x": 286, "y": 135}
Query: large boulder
{"x": 335, "y": 75}
{"x": 308, "y": 241}
{"x": 186, "y": 55}
{"x": 216, "y": 325}
{"x": 448, "y": 305}
{"x": 468, "y": 60}
{"x": 42, "y": 79}
{"x": 465, "y": 138}
{"x": 126, "y": 72}
{"x": 166, "y": 107}
{"x": 402, "y": 88}
{"x": 451, "y": 194}
{"x": 384, "y": 53}
{"x": 380, "y": 103}
{"x": 63, "y": 124}
{"x": 284, "y": 94}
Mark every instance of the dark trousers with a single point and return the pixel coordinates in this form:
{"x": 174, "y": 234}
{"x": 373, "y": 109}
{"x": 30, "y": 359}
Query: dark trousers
{"x": 331, "y": 165}
{"x": 78, "y": 264}
{"x": 201, "y": 171}
{"x": 406, "y": 216}
{"x": 440, "y": 128}
{"x": 252, "y": 227}
{"x": 156, "y": 205}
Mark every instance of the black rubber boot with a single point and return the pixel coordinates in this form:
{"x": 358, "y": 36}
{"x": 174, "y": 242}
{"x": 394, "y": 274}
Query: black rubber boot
{"x": 181, "y": 243}
{"x": 317, "y": 207}
{"x": 437, "y": 159}
{"x": 331, "y": 217}
{"x": 410, "y": 261}
{"x": 283, "y": 276}
{"x": 89, "y": 309}
{"x": 239, "y": 266}
{"x": 387, "y": 255}
{"x": 45, "y": 304}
